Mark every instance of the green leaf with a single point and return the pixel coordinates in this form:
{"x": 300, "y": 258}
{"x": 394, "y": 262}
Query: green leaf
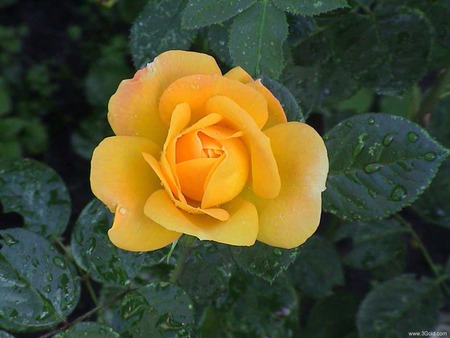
{"x": 218, "y": 41}
{"x": 11, "y": 126}
{"x": 340, "y": 312}
{"x": 94, "y": 252}
{"x": 405, "y": 106}
{"x": 157, "y": 310}
{"x": 263, "y": 260}
{"x": 38, "y": 286}
{"x": 399, "y": 306}
{"x": 378, "y": 164}
{"x": 207, "y": 272}
{"x": 358, "y": 103}
{"x": 5, "y": 98}
{"x": 37, "y": 193}
{"x": 439, "y": 124}
{"x": 374, "y": 244}
{"x": 157, "y": 29}
{"x": 257, "y": 309}
{"x": 4, "y": 334}
{"x": 256, "y": 39}
{"x": 318, "y": 268}
{"x": 308, "y": 7}
{"x": 287, "y": 100}
{"x": 88, "y": 329}
{"x": 387, "y": 49}
{"x": 200, "y": 13}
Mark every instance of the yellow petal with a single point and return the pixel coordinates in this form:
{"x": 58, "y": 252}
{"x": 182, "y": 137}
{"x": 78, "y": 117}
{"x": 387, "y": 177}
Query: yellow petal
{"x": 195, "y": 90}
{"x": 192, "y": 175}
{"x": 239, "y": 74}
{"x": 133, "y": 109}
{"x": 290, "y": 219}
{"x": 276, "y": 111}
{"x": 240, "y": 229}
{"x": 264, "y": 172}
{"x": 122, "y": 180}
{"x": 230, "y": 175}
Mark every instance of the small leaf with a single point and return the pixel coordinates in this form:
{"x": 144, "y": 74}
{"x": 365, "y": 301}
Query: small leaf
{"x": 157, "y": 29}
{"x": 88, "y": 329}
{"x": 378, "y": 164}
{"x": 207, "y": 272}
{"x": 256, "y": 39}
{"x": 94, "y": 252}
{"x": 318, "y": 268}
{"x": 287, "y": 100}
{"x": 200, "y": 13}
{"x": 38, "y": 286}
{"x": 263, "y": 260}
{"x": 310, "y": 7}
{"x": 399, "y": 306}
{"x": 37, "y": 193}
{"x": 374, "y": 244}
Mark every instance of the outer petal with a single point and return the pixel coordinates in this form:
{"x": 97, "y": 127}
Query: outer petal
{"x": 291, "y": 218}
{"x": 264, "y": 172}
{"x": 240, "y": 229}
{"x": 133, "y": 109}
{"x": 122, "y": 179}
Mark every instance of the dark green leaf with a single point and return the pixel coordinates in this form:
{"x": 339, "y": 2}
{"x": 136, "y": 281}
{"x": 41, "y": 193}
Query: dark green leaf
{"x": 358, "y": 103}
{"x": 218, "y": 41}
{"x": 157, "y": 310}
{"x": 318, "y": 268}
{"x": 439, "y": 124}
{"x": 287, "y": 100}
{"x": 387, "y": 49}
{"x": 256, "y": 39}
{"x": 340, "y": 312}
{"x": 399, "y": 306}
{"x": 378, "y": 164}
{"x": 309, "y": 7}
{"x": 37, "y": 193}
{"x": 88, "y": 329}
{"x": 157, "y": 29}
{"x": 404, "y": 106}
{"x": 38, "y": 286}
{"x": 94, "y": 252}
{"x": 374, "y": 244}
{"x": 5, "y": 98}
{"x": 263, "y": 260}
{"x": 207, "y": 272}
{"x": 199, "y": 13}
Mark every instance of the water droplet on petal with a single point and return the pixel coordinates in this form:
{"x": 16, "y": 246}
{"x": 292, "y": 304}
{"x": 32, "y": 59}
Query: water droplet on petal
{"x": 123, "y": 211}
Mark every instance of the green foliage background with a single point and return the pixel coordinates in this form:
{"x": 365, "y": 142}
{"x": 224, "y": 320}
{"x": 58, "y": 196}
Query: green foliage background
{"x": 370, "y": 75}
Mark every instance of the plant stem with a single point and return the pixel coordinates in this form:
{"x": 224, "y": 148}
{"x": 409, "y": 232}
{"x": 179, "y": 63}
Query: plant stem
{"x": 188, "y": 245}
{"x": 425, "y": 253}
{"x": 107, "y": 303}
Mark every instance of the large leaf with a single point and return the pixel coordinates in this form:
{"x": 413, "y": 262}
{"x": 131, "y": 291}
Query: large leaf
{"x": 38, "y": 286}
{"x": 263, "y": 260}
{"x": 94, "y": 252}
{"x": 399, "y": 306}
{"x": 378, "y": 164}
{"x": 157, "y": 29}
{"x": 308, "y": 7}
{"x": 37, "y": 193}
{"x": 388, "y": 49}
{"x": 318, "y": 268}
{"x": 199, "y": 13}
{"x": 374, "y": 244}
{"x": 256, "y": 39}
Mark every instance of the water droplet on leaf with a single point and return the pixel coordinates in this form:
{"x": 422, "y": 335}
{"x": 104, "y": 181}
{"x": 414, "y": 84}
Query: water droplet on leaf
{"x": 398, "y": 193}
{"x": 412, "y": 137}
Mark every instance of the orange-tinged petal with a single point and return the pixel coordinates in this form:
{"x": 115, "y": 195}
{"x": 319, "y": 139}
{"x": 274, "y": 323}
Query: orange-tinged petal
{"x": 133, "y": 109}
{"x": 264, "y": 172}
{"x": 122, "y": 180}
{"x": 195, "y": 90}
{"x": 276, "y": 111}
{"x": 291, "y": 218}
{"x": 240, "y": 229}
{"x": 230, "y": 175}
{"x": 193, "y": 174}
{"x": 239, "y": 74}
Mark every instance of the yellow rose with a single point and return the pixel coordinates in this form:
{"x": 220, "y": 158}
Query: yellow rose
{"x": 208, "y": 155}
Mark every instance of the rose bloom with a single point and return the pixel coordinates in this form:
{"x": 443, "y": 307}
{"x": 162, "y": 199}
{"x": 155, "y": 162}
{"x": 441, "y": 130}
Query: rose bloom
{"x": 209, "y": 155}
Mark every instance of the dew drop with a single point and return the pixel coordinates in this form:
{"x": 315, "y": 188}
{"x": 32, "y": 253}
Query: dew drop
{"x": 123, "y": 211}
{"x": 277, "y": 252}
{"x": 252, "y": 266}
{"x": 9, "y": 240}
{"x": 371, "y": 120}
{"x": 358, "y": 148}
{"x": 372, "y": 167}
{"x": 430, "y": 156}
{"x": 387, "y": 140}
{"x": 412, "y": 137}
{"x": 349, "y": 124}
{"x": 398, "y": 193}
{"x": 59, "y": 262}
